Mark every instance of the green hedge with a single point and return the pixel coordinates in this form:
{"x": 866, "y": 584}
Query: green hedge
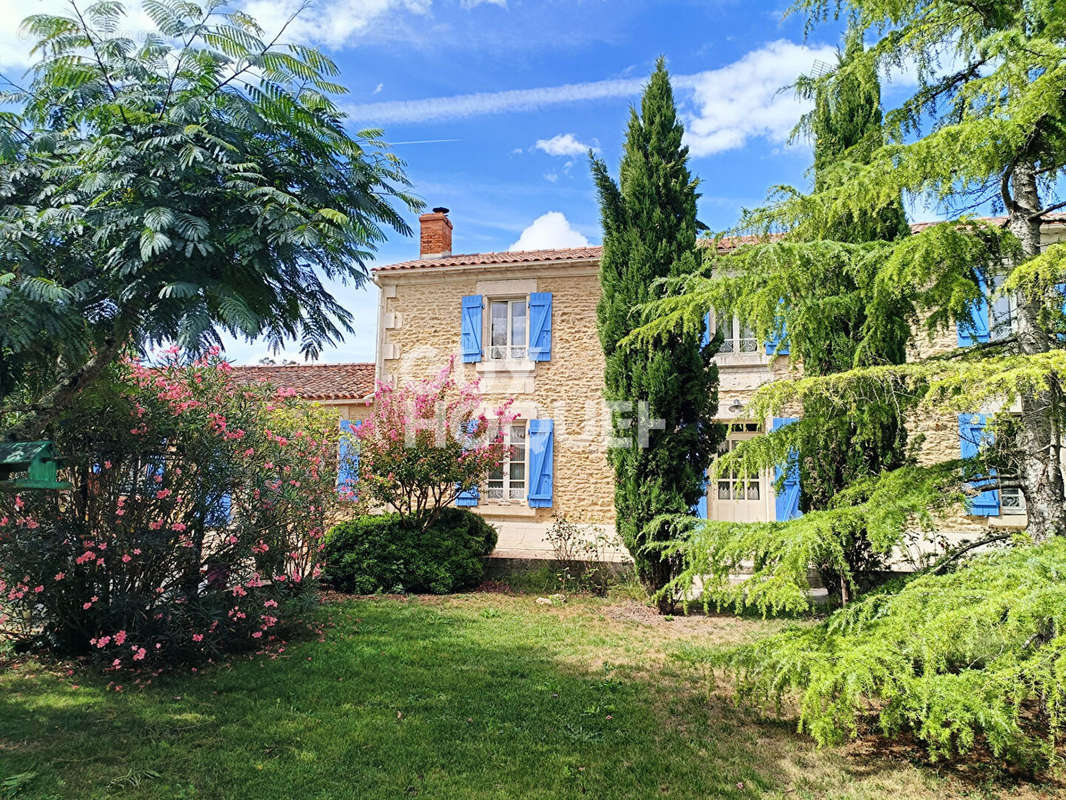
{"x": 379, "y": 553}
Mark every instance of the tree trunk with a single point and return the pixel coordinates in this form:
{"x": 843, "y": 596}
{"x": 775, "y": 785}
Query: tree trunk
{"x": 59, "y": 397}
{"x": 1039, "y": 441}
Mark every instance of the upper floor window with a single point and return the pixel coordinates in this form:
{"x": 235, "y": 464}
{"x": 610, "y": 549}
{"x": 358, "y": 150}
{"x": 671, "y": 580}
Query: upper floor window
{"x": 736, "y": 336}
{"x": 507, "y": 329}
{"x": 508, "y": 481}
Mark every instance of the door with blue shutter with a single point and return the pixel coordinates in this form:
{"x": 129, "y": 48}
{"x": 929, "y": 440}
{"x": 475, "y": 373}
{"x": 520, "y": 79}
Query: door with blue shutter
{"x": 977, "y": 329}
{"x": 348, "y": 461}
{"x": 541, "y": 462}
{"x": 787, "y": 501}
{"x": 471, "y": 327}
{"x": 540, "y": 326}
{"x": 469, "y": 497}
{"x": 972, "y": 435}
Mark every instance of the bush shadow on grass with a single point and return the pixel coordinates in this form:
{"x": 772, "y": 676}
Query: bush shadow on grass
{"x": 403, "y": 698}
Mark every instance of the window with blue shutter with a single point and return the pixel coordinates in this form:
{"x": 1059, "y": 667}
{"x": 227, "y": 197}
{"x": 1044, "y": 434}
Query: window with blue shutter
{"x": 540, "y": 326}
{"x": 468, "y": 498}
{"x": 471, "y": 328}
{"x": 787, "y": 502}
{"x": 541, "y": 462}
{"x": 972, "y": 435}
{"x": 348, "y": 461}
{"x": 977, "y": 329}
{"x": 705, "y": 339}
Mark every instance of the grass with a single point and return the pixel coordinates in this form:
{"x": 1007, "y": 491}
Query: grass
{"x": 470, "y": 696}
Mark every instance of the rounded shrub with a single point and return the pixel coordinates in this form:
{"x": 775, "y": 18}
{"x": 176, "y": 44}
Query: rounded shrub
{"x": 385, "y": 553}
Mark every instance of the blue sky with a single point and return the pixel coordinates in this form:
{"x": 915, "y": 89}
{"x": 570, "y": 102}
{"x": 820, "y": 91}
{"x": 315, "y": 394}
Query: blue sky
{"x": 492, "y": 104}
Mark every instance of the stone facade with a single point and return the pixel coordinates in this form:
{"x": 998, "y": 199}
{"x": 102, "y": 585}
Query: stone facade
{"x": 419, "y": 330}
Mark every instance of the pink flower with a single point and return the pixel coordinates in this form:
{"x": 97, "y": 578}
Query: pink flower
{"x": 60, "y": 576}
{"x": 178, "y": 526}
{"x": 257, "y": 635}
{"x": 120, "y": 637}
{"x": 126, "y": 558}
{"x": 38, "y": 589}
{"x": 102, "y": 642}
{"x": 140, "y": 654}
{"x": 197, "y": 637}
{"x": 162, "y": 494}
{"x": 136, "y": 551}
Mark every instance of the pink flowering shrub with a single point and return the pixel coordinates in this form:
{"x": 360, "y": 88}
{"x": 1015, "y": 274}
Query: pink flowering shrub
{"x": 194, "y": 525}
{"x": 425, "y": 445}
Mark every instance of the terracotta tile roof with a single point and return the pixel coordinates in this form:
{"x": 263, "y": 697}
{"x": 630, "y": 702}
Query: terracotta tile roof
{"x": 587, "y": 254}
{"x": 573, "y": 254}
{"x": 314, "y": 381}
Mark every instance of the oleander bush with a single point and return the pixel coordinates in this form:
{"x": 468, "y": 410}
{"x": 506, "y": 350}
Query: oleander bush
{"x": 388, "y": 553}
{"x": 193, "y": 526}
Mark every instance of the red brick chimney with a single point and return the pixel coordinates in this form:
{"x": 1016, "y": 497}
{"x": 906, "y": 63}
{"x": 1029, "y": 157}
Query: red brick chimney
{"x": 436, "y": 230}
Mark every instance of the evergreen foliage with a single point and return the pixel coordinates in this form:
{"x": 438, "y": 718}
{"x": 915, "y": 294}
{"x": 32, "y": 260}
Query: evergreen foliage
{"x": 970, "y": 650}
{"x": 201, "y": 180}
{"x": 971, "y": 657}
{"x": 649, "y": 232}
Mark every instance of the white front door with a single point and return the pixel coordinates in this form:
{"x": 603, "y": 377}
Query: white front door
{"x": 736, "y": 497}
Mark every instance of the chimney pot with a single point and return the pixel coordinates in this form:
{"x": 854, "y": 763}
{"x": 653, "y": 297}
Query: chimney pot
{"x": 435, "y": 235}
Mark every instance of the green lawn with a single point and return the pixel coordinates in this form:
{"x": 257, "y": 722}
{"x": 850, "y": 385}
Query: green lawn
{"x": 472, "y": 696}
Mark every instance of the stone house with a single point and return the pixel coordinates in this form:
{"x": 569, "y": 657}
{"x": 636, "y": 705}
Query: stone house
{"x": 524, "y": 325}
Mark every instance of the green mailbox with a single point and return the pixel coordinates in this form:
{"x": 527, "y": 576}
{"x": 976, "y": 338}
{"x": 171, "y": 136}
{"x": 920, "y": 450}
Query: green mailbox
{"x": 36, "y": 459}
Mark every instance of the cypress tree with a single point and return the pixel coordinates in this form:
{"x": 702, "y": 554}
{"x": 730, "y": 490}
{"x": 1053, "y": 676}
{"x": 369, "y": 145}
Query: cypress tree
{"x": 649, "y": 232}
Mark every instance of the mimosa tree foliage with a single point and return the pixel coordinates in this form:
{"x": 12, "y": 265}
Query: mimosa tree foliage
{"x": 197, "y": 181}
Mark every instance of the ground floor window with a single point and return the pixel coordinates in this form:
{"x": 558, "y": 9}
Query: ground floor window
{"x": 734, "y": 485}
{"x": 508, "y": 481}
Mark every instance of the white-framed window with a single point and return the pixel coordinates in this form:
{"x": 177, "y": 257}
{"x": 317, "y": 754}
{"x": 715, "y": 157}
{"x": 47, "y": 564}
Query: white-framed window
{"x": 1011, "y": 502}
{"x": 737, "y": 337}
{"x": 508, "y": 481}
{"x": 508, "y": 328}
{"x": 735, "y": 485}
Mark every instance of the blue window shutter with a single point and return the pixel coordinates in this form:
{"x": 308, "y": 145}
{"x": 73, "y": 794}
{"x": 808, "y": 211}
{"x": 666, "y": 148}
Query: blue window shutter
{"x": 972, "y": 435}
{"x": 471, "y": 328}
{"x": 470, "y": 496}
{"x": 705, "y": 339}
{"x": 701, "y": 504}
{"x": 540, "y": 326}
{"x": 347, "y": 462}
{"x": 541, "y": 462}
{"x": 219, "y": 511}
{"x": 977, "y": 331}
{"x": 787, "y": 502}
{"x": 777, "y": 344}
{"x": 1061, "y": 288}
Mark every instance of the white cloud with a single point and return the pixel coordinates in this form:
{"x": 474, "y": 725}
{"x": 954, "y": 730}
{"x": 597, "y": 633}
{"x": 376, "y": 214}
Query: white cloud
{"x": 732, "y": 104}
{"x": 472, "y": 105}
{"x": 563, "y": 144}
{"x": 744, "y": 100}
{"x": 549, "y": 231}
{"x": 378, "y": 88}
